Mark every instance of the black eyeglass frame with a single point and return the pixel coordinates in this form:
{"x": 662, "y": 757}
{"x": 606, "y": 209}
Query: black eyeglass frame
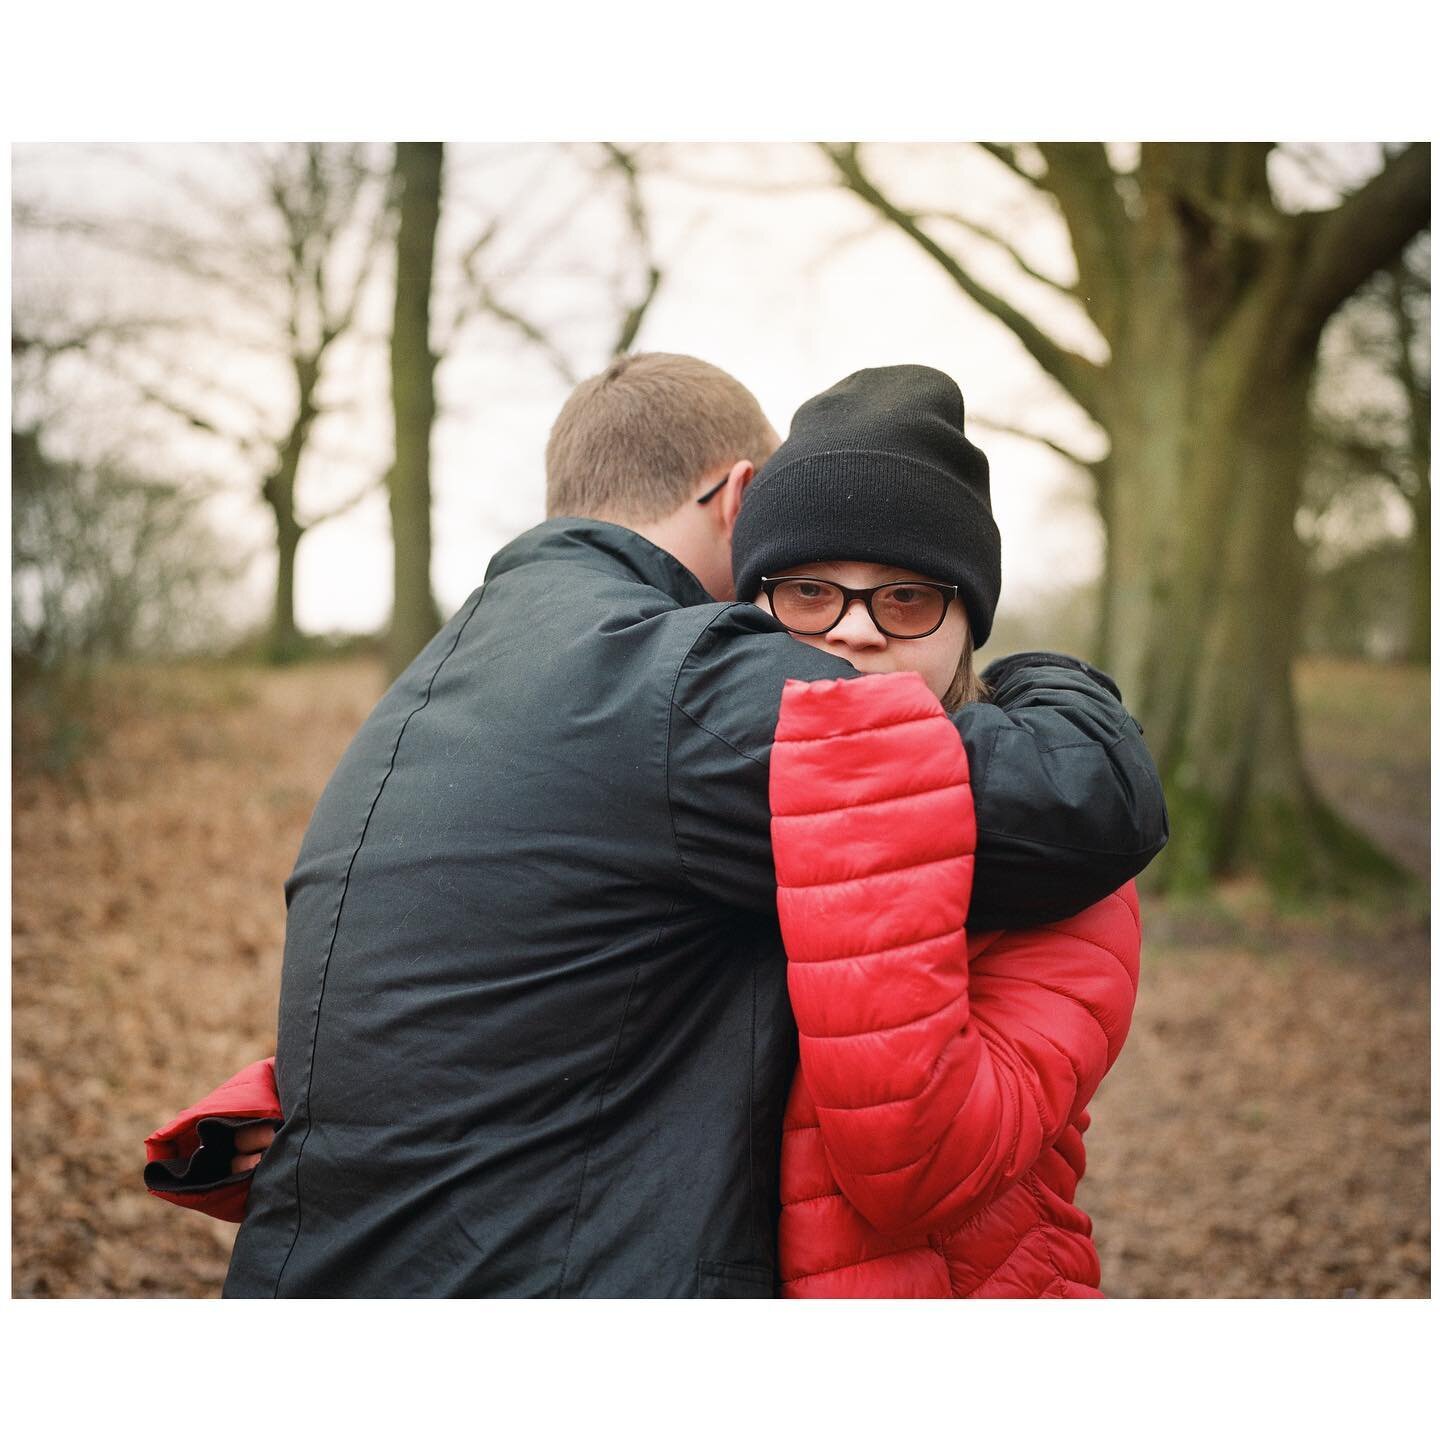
{"x": 769, "y": 584}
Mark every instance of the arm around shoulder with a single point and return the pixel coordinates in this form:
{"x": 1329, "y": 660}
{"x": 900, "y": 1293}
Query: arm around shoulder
{"x": 724, "y": 704}
{"x": 1068, "y": 798}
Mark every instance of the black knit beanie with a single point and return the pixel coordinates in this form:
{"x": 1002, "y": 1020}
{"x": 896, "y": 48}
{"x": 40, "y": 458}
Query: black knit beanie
{"x": 877, "y": 468}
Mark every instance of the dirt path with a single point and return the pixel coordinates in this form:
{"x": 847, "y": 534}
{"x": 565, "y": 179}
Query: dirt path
{"x": 1266, "y": 1131}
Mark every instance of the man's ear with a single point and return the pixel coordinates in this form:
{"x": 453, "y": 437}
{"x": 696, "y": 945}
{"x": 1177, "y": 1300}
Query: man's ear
{"x": 731, "y": 497}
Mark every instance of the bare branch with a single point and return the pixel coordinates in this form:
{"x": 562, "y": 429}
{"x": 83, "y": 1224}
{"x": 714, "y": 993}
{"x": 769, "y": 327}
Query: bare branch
{"x": 639, "y": 225}
{"x": 999, "y": 427}
{"x": 84, "y": 337}
{"x": 472, "y": 299}
{"x": 191, "y": 416}
{"x": 491, "y": 303}
{"x": 984, "y": 232}
{"x": 734, "y": 184}
{"x": 1398, "y": 280}
{"x": 337, "y": 323}
{"x": 846, "y": 239}
{"x": 1350, "y": 243}
{"x": 1006, "y": 155}
{"x": 1079, "y": 176}
{"x": 370, "y": 487}
{"x": 153, "y": 245}
{"x": 678, "y": 163}
{"x": 1081, "y": 377}
{"x": 481, "y": 299}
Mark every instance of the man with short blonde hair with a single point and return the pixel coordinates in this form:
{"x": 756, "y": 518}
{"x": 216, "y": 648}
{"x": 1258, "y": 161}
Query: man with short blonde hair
{"x": 629, "y": 442}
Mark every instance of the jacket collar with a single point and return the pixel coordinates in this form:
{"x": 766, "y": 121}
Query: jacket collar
{"x": 599, "y": 545}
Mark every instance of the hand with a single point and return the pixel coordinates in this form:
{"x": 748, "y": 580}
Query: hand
{"x": 251, "y": 1142}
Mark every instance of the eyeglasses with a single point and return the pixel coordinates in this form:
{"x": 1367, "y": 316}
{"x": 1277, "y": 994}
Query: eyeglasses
{"x": 713, "y": 491}
{"x": 903, "y": 609}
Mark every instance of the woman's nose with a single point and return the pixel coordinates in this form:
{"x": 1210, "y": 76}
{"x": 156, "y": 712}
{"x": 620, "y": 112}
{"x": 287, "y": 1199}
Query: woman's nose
{"x": 856, "y": 629}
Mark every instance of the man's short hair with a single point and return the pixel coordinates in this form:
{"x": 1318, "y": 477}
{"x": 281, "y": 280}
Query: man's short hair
{"x": 630, "y": 443}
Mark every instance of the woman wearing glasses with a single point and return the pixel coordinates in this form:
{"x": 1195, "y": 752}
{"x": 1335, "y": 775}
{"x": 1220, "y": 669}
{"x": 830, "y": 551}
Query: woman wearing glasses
{"x": 932, "y": 1141}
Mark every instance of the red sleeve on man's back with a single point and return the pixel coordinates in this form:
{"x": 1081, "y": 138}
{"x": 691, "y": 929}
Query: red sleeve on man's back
{"x": 172, "y": 1151}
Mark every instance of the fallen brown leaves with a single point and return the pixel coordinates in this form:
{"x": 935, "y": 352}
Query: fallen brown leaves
{"x": 148, "y": 922}
{"x": 1266, "y": 1131}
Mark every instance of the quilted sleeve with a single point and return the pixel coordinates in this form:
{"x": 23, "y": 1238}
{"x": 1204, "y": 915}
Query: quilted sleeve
{"x": 188, "y": 1159}
{"x": 930, "y": 1099}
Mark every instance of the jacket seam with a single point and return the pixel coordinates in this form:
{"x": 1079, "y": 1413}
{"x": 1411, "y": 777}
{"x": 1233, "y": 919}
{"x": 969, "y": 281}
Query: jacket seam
{"x": 600, "y": 1105}
{"x": 670, "y": 736}
{"x": 929, "y": 718}
{"x": 888, "y": 1029}
{"x": 335, "y": 931}
{"x": 886, "y": 950}
{"x": 867, "y": 804}
{"x": 858, "y": 1264}
{"x": 930, "y": 1080}
{"x": 990, "y": 1274}
{"x": 1033, "y": 1188}
{"x": 715, "y": 734}
{"x": 878, "y": 874}
{"x": 991, "y": 833}
{"x": 982, "y": 773}
{"x": 812, "y": 1199}
{"x": 1104, "y": 949}
{"x": 1057, "y": 927}
{"x": 750, "y": 1107}
{"x": 1086, "y": 1007}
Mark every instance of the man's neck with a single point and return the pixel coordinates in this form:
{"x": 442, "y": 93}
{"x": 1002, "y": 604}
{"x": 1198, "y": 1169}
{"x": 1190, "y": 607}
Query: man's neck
{"x": 690, "y": 540}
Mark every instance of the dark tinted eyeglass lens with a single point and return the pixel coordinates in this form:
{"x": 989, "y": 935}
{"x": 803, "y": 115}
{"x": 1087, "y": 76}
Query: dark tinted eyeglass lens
{"x": 806, "y": 605}
{"x": 908, "y": 609}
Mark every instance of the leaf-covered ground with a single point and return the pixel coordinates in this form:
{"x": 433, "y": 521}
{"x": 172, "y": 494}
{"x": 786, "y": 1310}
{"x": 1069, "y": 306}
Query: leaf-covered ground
{"x": 1266, "y": 1131}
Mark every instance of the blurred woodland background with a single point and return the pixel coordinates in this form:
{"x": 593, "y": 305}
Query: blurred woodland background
{"x": 275, "y": 405}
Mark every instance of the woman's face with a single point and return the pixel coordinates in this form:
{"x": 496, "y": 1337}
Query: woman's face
{"x": 935, "y": 657}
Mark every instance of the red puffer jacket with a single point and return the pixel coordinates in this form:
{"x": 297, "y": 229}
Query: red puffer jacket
{"x": 932, "y": 1143}
{"x": 188, "y": 1160}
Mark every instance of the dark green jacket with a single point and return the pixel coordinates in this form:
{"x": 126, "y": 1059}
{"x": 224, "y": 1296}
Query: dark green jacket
{"x": 534, "y": 1036}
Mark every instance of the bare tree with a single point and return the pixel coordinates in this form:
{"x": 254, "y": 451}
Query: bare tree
{"x": 1210, "y": 299}
{"x": 105, "y": 564}
{"x": 487, "y": 292}
{"x": 285, "y": 253}
{"x": 1371, "y": 418}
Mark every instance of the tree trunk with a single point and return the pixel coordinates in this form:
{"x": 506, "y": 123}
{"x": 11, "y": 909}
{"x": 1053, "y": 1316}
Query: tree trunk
{"x": 1205, "y": 574}
{"x": 1418, "y": 648}
{"x": 285, "y": 639}
{"x": 278, "y": 490}
{"x": 412, "y": 388}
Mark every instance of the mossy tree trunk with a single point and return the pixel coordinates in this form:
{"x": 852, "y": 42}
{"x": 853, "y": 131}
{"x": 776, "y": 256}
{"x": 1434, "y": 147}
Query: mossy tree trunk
{"x": 1211, "y": 302}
